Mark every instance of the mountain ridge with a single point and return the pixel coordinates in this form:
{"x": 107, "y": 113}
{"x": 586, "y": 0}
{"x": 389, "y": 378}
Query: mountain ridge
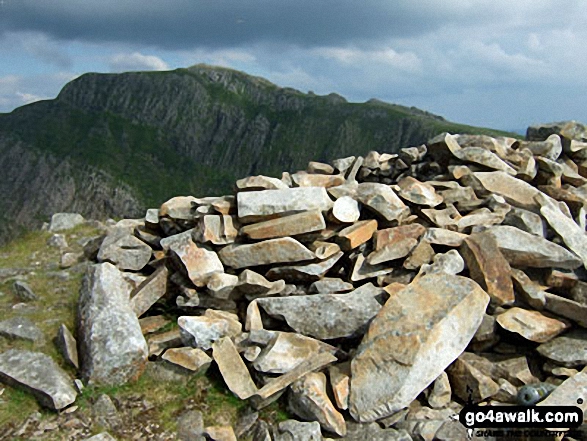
{"x": 147, "y": 136}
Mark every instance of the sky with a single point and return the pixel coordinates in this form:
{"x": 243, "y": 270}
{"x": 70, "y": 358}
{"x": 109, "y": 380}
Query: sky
{"x": 504, "y": 64}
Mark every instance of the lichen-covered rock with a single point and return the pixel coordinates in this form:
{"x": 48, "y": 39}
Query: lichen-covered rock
{"x": 112, "y": 347}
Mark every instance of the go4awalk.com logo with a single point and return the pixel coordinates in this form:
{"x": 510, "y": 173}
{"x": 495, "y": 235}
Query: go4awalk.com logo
{"x": 521, "y": 416}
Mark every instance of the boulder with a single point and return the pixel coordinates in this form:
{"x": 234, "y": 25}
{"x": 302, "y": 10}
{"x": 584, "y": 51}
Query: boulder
{"x": 233, "y": 369}
{"x": 65, "y": 221}
{"x": 419, "y": 332}
{"x": 112, "y": 347}
{"x": 357, "y": 234}
{"x": 38, "y": 374}
{"x": 21, "y": 328}
{"x": 327, "y": 316}
{"x": 192, "y": 359}
{"x": 24, "y": 292}
{"x": 199, "y": 261}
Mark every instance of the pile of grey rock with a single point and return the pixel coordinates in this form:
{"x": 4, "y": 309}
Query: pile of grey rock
{"x": 375, "y": 295}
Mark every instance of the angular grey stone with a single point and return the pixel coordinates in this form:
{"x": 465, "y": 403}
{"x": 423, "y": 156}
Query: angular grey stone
{"x": 254, "y": 285}
{"x": 326, "y": 316}
{"x": 68, "y": 346}
{"x": 39, "y": 374}
{"x": 65, "y": 221}
{"x": 330, "y": 286}
{"x": 450, "y": 262}
{"x": 419, "y": 332}
{"x": 125, "y": 251}
{"x": 254, "y": 183}
{"x": 112, "y": 347}
{"x": 24, "y": 292}
{"x": 523, "y": 249}
{"x": 258, "y": 205}
{"x": 105, "y": 413}
{"x": 381, "y": 199}
{"x": 179, "y": 207}
{"x": 202, "y": 331}
{"x": 21, "y": 328}
{"x": 57, "y": 241}
{"x": 292, "y": 430}
{"x": 568, "y": 350}
{"x": 190, "y": 426}
{"x": 104, "y": 436}
{"x": 566, "y": 308}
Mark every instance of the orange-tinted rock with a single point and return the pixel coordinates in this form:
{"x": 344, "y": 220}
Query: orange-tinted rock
{"x": 357, "y": 234}
{"x": 300, "y": 223}
{"x": 270, "y": 251}
{"x": 488, "y": 267}
{"x": 418, "y": 192}
{"x": 395, "y": 243}
{"x": 532, "y": 325}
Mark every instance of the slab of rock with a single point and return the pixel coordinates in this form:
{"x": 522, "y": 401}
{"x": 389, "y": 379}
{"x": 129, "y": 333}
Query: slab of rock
{"x": 192, "y": 359}
{"x": 357, "y": 234}
{"x": 346, "y": 210}
{"x": 304, "y": 179}
{"x": 523, "y": 249}
{"x": 479, "y": 155}
{"x": 573, "y": 235}
{"x": 221, "y": 285}
{"x": 488, "y": 267}
{"x": 278, "y": 384}
{"x": 326, "y": 316}
{"x": 340, "y": 377}
{"x": 112, "y": 347}
{"x": 67, "y": 346}
{"x": 283, "y": 250}
{"x": 287, "y": 350}
{"x": 515, "y": 191}
{"x": 220, "y": 433}
{"x": 308, "y": 400}
{"x": 422, "y": 254}
{"x": 40, "y": 375}
{"x": 526, "y": 220}
{"x": 199, "y": 261}
{"x": 21, "y": 328}
{"x": 395, "y": 243}
{"x": 569, "y": 350}
{"x": 125, "y": 251}
{"x": 24, "y": 292}
{"x": 566, "y": 308}
{"x": 532, "y": 325}
{"x": 304, "y": 222}
{"x": 149, "y": 291}
{"x": 363, "y": 270}
{"x": 254, "y": 206}
{"x": 260, "y": 182}
{"x": 419, "y": 332}
{"x": 419, "y": 193}
{"x": 233, "y": 369}
{"x": 440, "y": 236}
{"x": 65, "y": 221}
{"x": 307, "y": 273}
{"x": 382, "y": 200}
{"x": 202, "y": 331}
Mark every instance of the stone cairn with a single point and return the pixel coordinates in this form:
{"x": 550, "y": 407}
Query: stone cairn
{"x": 375, "y": 295}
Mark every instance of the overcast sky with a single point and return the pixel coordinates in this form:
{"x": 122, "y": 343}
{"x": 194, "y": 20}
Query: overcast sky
{"x": 501, "y": 63}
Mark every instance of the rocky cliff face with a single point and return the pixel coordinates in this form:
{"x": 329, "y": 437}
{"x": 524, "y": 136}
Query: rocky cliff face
{"x": 111, "y": 144}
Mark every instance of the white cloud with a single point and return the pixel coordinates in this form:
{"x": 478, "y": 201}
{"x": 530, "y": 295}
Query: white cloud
{"x": 136, "y": 61}
{"x": 357, "y": 57}
{"x": 39, "y": 46}
{"x": 28, "y": 98}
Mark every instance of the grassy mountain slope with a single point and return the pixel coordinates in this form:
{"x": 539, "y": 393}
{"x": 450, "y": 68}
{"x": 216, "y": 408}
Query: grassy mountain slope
{"x": 115, "y": 144}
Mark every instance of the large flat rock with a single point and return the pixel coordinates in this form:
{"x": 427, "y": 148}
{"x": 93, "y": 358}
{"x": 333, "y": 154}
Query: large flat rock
{"x": 39, "y": 374}
{"x": 283, "y": 250}
{"x": 419, "y": 332}
{"x": 112, "y": 348}
{"x": 326, "y": 316}
{"x": 295, "y": 224}
{"x": 254, "y": 206}
{"x": 523, "y": 249}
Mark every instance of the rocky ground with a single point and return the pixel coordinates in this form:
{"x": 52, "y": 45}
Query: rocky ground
{"x": 370, "y": 298}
